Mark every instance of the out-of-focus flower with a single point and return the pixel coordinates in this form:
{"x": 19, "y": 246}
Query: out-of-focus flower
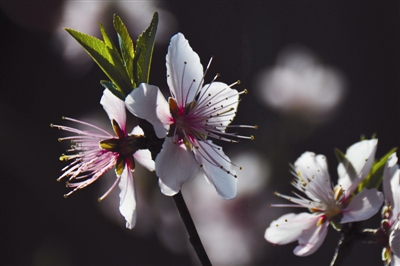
{"x": 326, "y": 204}
{"x": 229, "y": 230}
{"x": 84, "y": 16}
{"x": 95, "y": 152}
{"x": 300, "y": 85}
{"x": 196, "y": 113}
{"x": 391, "y": 210}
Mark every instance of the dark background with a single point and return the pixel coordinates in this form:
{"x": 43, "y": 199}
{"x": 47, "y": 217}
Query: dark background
{"x": 40, "y": 227}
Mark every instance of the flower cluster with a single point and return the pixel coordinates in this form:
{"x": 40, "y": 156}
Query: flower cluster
{"x": 327, "y": 204}
{"x": 93, "y": 153}
{"x": 194, "y": 114}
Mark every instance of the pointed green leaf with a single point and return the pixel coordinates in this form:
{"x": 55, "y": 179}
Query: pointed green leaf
{"x": 109, "y": 85}
{"x": 107, "y": 58}
{"x": 375, "y": 175}
{"x": 144, "y": 52}
{"x": 126, "y": 46}
{"x": 106, "y": 38}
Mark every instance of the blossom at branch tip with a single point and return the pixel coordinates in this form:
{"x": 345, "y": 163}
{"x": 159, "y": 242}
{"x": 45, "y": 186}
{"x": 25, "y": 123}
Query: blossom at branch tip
{"x": 325, "y": 202}
{"x": 391, "y": 210}
{"x": 192, "y": 115}
{"x": 95, "y": 151}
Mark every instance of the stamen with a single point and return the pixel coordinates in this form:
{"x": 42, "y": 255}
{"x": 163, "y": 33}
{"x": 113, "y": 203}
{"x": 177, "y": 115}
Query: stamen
{"x": 110, "y": 189}
{"x": 235, "y": 83}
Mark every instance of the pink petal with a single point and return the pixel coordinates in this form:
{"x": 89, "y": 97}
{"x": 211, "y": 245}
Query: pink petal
{"x": 115, "y": 108}
{"x": 363, "y": 206}
{"x": 184, "y": 70}
{"x": 127, "y": 196}
{"x": 175, "y": 165}
{"x": 312, "y": 170}
{"x": 212, "y": 158}
{"x": 144, "y": 158}
{"x": 361, "y": 155}
{"x": 311, "y": 239}
{"x": 147, "y": 102}
{"x": 289, "y": 227}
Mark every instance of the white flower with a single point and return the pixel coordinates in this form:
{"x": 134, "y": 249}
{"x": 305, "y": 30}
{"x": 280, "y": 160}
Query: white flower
{"x": 326, "y": 203}
{"x": 391, "y": 210}
{"x": 301, "y": 85}
{"x": 94, "y": 153}
{"x": 195, "y": 113}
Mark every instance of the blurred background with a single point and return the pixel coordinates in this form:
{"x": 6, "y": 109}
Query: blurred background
{"x": 319, "y": 74}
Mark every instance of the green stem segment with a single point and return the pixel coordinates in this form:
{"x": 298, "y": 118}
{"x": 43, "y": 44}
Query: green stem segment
{"x": 191, "y": 229}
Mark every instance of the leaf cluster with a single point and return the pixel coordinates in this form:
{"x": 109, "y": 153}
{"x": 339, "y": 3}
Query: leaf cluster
{"x": 127, "y": 67}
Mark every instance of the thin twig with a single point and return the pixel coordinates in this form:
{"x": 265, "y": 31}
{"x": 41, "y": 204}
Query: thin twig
{"x": 191, "y": 229}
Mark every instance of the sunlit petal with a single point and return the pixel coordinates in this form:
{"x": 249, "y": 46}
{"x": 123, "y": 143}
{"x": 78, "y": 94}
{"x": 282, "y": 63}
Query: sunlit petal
{"x": 127, "y": 198}
{"x": 115, "y": 108}
{"x": 289, "y": 227}
{"x": 144, "y": 158}
{"x": 363, "y": 206}
{"x": 217, "y": 168}
{"x": 311, "y": 239}
{"x": 147, "y": 102}
{"x": 175, "y": 165}
{"x": 184, "y": 70}
{"x": 361, "y": 155}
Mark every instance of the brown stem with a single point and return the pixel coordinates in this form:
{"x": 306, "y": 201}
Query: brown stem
{"x": 191, "y": 229}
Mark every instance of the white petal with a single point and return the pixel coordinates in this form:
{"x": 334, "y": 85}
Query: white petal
{"x": 396, "y": 195}
{"x": 289, "y": 227}
{"x": 127, "y": 198}
{"x": 144, "y": 158}
{"x": 361, "y": 155}
{"x": 115, "y": 108}
{"x": 184, "y": 70}
{"x": 311, "y": 239}
{"x": 363, "y": 206}
{"x": 212, "y": 158}
{"x": 147, "y": 102}
{"x": 175, "y": 165}
{"x": 220, "y": 97}
{"x": 312, "y": 170}
{"x": 394, "y": 239}
{"x": 395, "y": 260}
{"x": 391, "y": 183}
{"x": 137, "y": 131}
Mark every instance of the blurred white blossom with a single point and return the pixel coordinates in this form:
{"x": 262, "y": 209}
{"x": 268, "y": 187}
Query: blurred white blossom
{"x": 301, "y": 85}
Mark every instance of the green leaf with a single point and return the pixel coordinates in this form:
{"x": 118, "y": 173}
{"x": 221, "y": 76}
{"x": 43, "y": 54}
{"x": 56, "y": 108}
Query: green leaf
{"x": 109, "y": 85}
{"x": 375, "y": 175}
{"x": 126, "y": 46}
{"x": 144, "y": 52}
{"x": 105, "y": 54}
